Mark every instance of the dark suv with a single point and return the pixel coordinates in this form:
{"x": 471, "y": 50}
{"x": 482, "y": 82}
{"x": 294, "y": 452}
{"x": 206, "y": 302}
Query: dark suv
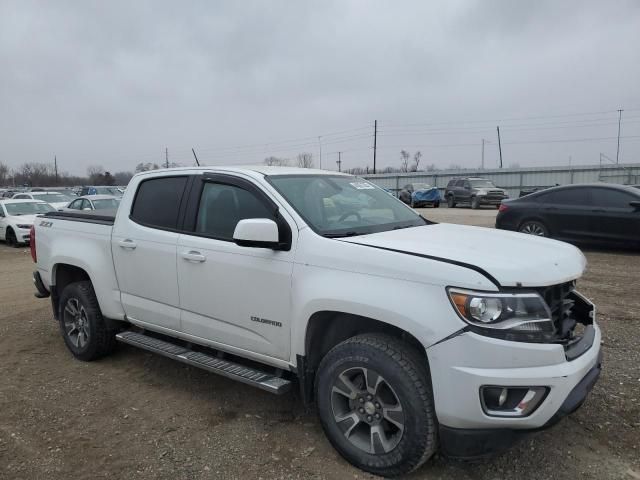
{"x": 474, "y": 191}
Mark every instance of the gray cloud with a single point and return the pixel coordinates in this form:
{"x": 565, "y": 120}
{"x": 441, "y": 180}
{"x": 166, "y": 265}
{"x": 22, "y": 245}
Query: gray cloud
{"x": 113, "y": 83}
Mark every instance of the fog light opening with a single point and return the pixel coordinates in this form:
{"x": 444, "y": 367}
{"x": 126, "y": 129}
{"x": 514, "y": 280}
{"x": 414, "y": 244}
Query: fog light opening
{"x": 499, "y": 401}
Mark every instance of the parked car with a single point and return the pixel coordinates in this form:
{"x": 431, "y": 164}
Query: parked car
{"x": 94, "y": 202}
{"x": 409, "y": 335}
{"x": 596, "y": 213}
{"x": 57, "y": 200}
{"x": 473, "y": 191}
{"x": 17, "y": 217}
{"x": 113, "y": 191}
{"x": 9, "y": 193}
{"x": 420, "y": 195}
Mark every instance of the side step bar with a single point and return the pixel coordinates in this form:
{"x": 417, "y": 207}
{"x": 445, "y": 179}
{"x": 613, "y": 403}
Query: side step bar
{"x": 250, "y": 376}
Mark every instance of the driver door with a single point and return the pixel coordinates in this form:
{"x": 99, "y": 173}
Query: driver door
{"x": 234, "y": 296}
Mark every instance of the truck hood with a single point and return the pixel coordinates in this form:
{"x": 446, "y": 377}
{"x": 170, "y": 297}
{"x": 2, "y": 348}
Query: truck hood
{"x": 513, "y": 259}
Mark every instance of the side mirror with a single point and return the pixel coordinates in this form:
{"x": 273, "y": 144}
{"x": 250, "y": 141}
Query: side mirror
{"x": 635, "y": 204}
{"x": 257, "y": 233}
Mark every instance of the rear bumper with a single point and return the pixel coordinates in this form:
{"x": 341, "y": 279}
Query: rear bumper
{"x": 467, "y": 443}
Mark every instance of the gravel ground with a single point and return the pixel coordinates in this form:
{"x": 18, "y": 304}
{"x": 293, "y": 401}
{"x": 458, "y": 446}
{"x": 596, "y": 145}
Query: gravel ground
{"x": 137, "y": 415}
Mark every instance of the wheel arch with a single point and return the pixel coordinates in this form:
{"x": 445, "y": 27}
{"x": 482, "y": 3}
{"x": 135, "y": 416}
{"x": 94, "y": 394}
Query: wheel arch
{"x": 327, "y": 328}
{"x": 62, "y": 275}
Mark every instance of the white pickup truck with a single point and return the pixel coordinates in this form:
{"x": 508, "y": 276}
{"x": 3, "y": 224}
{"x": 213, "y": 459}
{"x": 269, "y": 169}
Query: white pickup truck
{"x": 409, "y": 336}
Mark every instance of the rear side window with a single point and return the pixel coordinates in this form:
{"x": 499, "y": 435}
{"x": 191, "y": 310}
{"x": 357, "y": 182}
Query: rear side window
{"x": 157, "y": 202}
{"x": 569, "y": 196}
{"x": 609, "y": 198}
{"x": 222, "y": 206}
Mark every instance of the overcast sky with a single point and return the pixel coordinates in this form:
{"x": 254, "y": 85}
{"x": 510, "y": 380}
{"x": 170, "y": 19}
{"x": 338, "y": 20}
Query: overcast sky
{"x": 113, "y": 83}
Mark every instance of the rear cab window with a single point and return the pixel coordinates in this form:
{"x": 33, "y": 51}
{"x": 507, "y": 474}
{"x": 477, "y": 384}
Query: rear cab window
{"x": 157, "y": 202}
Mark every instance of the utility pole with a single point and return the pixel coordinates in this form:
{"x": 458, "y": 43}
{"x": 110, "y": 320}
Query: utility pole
{"x": 482, "y": 162}
{"x": 499, "y": 146}
{"x": 320, "y": 144}
{"x": 619, "y": 120}
{"x": 166, "y": 158}
{"x": 339, "y": 161}
{"x": 375, "y": 139}
{"x": 55, "y": 167}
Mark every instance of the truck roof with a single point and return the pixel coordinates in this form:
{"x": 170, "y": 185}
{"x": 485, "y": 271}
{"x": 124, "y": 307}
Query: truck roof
{"x": 251, "y": 169}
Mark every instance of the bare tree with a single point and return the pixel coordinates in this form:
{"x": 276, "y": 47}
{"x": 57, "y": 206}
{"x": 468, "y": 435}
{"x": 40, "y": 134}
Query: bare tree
{"x": 276, "y": 161}
{"x": 416, "y": 160}
{"x": 431, "y": 168}
{"x": 305, "y": 160}
{"x": 404, "y": 161}
{"x": 455, "y": 166}
{"x": 122, "y": 178}
{"x": 145, "y": 167}
{"x": 4, "y": 174}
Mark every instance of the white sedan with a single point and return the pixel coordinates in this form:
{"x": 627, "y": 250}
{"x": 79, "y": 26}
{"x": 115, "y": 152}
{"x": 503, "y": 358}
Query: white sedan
{"x": 57, "y": 200}
{"x": 94, "y": 202}
{"x": 17, "y": 217}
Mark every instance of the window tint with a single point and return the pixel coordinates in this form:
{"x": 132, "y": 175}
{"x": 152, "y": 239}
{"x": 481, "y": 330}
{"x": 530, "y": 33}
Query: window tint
{"x": 568, "y": 196}
{"x": 157, "y": 202}
{"x": 75, "y": 204}
{"x": 223, "y": 206}
{"x": 609, "y": 198}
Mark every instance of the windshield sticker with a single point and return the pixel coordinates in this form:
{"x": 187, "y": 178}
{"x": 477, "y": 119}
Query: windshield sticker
{"x": 362, "y": 185}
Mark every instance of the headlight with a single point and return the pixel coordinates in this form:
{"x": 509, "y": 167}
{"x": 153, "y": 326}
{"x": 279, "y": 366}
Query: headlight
{"x": 23, "y": 226}
{"x": 521, "y": 317}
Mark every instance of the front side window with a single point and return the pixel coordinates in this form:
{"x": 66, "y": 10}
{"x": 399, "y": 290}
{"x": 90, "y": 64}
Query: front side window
{"x": 222, "y": 206}
{"x": 338, "y": 206}
{"x": 28, "y": 208}
{"x": 157, "y": 202}
{"x": 75, "y": 205}
{"x": 609, "y": 198}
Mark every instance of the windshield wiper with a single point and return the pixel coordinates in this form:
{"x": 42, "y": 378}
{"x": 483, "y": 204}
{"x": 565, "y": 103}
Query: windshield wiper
{"x": 340, "y": 235}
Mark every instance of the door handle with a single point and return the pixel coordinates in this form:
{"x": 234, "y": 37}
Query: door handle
{"x": 127, "y": 244}
{"x": 193, "y": 256}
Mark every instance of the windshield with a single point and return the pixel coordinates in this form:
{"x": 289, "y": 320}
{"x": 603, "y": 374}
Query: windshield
{"x": 339, "y": 206}
{"x": 108, "y": 191}
{"x": 421, "y": 186}
{"x": 106, "y": 203}
{"x": 28, "y": 208}
{"x": 482, "y": 184}
{"x": 52, "y": 197}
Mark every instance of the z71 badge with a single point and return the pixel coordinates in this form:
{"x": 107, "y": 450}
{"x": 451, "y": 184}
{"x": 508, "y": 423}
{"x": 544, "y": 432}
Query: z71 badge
{"x": 44, "y": 223}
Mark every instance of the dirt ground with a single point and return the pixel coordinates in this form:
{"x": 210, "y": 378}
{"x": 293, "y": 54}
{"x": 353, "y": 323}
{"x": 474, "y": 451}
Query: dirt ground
{"x": 138, "y": 415}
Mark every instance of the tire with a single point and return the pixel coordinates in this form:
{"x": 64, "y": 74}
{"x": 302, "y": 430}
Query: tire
{"x": 436, "y": 205}
{"x": 10, "y": 238}
{"x": 533, "y": 227}
{"x": 412, "y": 203}
{"x": 475, "y": 203}
{"x": 405, "y": 389}
{"x": 83, "y": 328}
{"x": 451, "y": 202}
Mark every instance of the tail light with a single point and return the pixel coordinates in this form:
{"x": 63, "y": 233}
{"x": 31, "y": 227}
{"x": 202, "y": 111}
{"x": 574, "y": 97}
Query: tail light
{"x": 32, "y": 243}
{"x": 503, "y": 208}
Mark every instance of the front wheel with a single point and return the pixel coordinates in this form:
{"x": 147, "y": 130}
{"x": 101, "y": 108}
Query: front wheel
{"x": 11, "y": 239}
{"x": 475, "y": 203}
{"x": 531, "y": 227}
{"x": 84, "y": 330}
{"x": 376, "y": 406}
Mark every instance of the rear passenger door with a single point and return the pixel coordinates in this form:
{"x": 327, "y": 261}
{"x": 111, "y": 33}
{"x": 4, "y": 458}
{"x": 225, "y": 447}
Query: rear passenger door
{"x": 566, "y": 213}
{"x": 236, "y": 298}
{"x": 144, "y": 244}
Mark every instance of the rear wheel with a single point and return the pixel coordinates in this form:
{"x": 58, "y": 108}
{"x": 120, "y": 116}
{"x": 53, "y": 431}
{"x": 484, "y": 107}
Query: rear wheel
{"x": 451, "y": 201}
{"x": 532, "y": 227}
{"x": 375, "y": 404}
{"x": 84, "y": 330}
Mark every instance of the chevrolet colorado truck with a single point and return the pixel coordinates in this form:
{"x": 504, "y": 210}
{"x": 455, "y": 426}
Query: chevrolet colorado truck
{"x": 408, "y": 336}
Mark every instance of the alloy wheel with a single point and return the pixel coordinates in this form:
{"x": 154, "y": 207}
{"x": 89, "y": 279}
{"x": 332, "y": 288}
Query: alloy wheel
{"x": 76, "y": 323}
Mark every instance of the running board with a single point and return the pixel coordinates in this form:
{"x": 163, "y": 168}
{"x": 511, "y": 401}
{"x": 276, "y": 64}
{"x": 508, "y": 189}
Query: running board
{"x": 235, "y": 371}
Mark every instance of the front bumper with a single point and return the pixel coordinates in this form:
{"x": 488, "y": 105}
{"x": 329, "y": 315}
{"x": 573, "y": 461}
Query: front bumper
{"x": 477, "y": 443}
{"x": 23, "y": 235}
{"x": 491, "y": 200}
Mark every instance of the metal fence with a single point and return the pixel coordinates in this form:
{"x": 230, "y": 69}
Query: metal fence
{"x": 515, "y": 179}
